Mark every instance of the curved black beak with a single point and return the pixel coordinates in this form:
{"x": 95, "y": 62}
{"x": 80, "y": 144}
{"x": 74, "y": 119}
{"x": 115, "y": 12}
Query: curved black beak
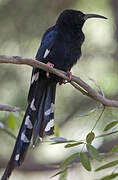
{"x": 93, "y": 16}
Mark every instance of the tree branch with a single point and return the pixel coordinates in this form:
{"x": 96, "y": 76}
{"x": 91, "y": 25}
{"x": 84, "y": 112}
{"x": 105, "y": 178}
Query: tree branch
{"x": 9, "y": 108}
{"x": 78, "y": 83}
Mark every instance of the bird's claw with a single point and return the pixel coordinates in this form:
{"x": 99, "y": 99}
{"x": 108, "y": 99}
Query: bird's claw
{"x": 63, "y": 81}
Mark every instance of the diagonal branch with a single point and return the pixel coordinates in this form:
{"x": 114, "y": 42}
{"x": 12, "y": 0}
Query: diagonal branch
{"x": 78, "y": 83}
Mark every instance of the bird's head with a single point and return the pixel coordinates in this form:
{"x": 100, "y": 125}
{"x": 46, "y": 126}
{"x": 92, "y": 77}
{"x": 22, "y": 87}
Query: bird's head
{"x": 74, "y": 18}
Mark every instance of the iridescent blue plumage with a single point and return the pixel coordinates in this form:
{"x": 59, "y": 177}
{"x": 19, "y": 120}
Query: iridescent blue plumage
{"x": 47, "y": 43}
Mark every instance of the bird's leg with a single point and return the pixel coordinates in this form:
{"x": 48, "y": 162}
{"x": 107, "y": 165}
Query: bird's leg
{"x": 50, "y": 65}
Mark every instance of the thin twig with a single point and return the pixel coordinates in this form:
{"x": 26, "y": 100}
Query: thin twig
{"x": 9, "y": 108}
{"x": 98, "y": 118}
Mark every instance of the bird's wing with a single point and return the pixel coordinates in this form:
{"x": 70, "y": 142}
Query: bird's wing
{"x": 46, "y": 44}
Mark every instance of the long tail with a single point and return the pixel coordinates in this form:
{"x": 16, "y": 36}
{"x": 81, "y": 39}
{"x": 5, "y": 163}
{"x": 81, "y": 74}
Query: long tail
{"x": 44, "y": 124}
{"x": 38, "y": 119}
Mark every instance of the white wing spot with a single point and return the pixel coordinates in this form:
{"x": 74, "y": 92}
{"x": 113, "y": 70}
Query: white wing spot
{"x": 35, "y": 77}
{"x": 24, "y": 138}
{"x": 40, "y": 138}
{"x": 28, "y": 122}
{"x": 32, "y": 105}
{"x": 17, "y": 157}
{"x": 46, "y": 53}
{"x": 49, "y": 125}
{"x": 50, "y": 110}
{"x": 33, "y": 146}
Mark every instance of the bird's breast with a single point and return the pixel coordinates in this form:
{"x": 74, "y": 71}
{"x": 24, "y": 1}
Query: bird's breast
{"x": 65, "y": 51}
{"x": 64, "y": 55}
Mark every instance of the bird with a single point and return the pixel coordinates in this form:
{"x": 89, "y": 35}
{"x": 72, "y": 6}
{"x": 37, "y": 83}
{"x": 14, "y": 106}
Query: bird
{"x": 60, "y": 48}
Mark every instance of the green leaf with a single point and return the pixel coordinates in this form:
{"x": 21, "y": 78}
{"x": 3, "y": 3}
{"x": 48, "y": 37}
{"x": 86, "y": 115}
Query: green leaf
{"x": 93, "y": 152}
{"x": 90, "y": 137}
{"x": 109, "y": 177}
{"x": 63, "y": 175}
{"x": 68, "y": 160}
{"x": 11, "y": 121}
{"x": 73, "y": 144}
{"x": 56, "y": 130}
{"x": 108, "y": 165}
{"x": 59, "y": 140}
{"x": 62, "y": 142}
{"x": 58, "y": 173}
{"x": 115, "y": 149}
{"x": 107, "y": 134}
{"x": 110, "y": 125}
{"x": 85, "y": 161}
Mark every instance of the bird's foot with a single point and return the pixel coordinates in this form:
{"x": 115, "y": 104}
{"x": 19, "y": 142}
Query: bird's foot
{"x": 50, "y": 65}
{"x": 69, "y": 74}
{"x": 63, "y": 81}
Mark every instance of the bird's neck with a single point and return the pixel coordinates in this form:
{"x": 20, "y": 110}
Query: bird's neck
{"x": 70, "y": 32}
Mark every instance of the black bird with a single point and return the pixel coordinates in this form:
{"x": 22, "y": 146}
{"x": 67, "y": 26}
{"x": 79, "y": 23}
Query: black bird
{"x": 60, "y": 47}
